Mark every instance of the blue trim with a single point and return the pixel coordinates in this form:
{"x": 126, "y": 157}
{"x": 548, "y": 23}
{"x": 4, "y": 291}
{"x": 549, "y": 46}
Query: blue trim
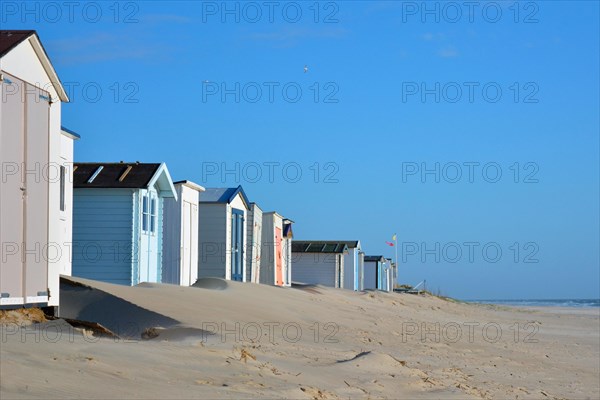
{"x": 70, "y": 132}
{"x": 244, "y": 197}
{"x": 238, "y": 215}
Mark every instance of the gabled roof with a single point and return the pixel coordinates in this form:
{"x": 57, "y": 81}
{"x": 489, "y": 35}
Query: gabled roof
{"x": 374, "y": 259}
{"x": 318, "y": 246}
{"x": 288, "y": 233}
{"x": 254, "y": 205}
{"x": 9, "y": 39}
{"x": 123, "y": 175}
{"x": 190, "y": 184}
{"x": 223, "y": 195}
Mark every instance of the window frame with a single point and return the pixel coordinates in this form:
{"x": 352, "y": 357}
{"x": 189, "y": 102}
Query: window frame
{"x": 62, "y": 201}
{"x": 145, "y": 212}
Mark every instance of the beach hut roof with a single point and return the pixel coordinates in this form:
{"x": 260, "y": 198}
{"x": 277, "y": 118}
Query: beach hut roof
{"x": 69, "y": 133}
{"x": 9, "y": 39}
{"x": 190, "y": 184}
{"x": 375, "y": 258}
{"x": 122, "y": 175}
{"x": 319, "y": 246}
{"x": 223, "y": 195}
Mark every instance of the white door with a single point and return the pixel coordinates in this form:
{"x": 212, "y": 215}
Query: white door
{"x": 186, "y": 257}
{"x": 36, "y": 194}
{"x": 193, "y": 243}
{"x": 24, "y": 143}
{"x": 12, "y": 153}
{"x": 148, "y": 264}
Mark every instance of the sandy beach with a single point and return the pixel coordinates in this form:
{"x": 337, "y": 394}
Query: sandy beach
{"x": 232, "y": 340}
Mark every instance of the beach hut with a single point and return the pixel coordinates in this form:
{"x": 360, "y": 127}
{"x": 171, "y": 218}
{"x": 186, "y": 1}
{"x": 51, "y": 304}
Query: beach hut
{"x": 319, "y": 262}
{"x": 180, "y": 248}
{"x": 118, "y": 221}
{"x": 254, "y": 243}
{"x": 394, "y": 275}
{"x": 374, "y": 272}
{"x": 36, "y": 185}
{"x": 222, "y": 233}
{"x": 276, "y": 260}
{"x": 353, "y": 265}
{"x": 390, "y": 275}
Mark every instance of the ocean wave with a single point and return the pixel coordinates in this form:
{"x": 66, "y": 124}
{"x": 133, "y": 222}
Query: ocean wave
{"x": 543, "y": 302}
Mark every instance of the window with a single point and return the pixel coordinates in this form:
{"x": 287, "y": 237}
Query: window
{"x": 149, "y": 212}
{"x": 145, "y": 213}
{"x": 63, "y": 173}
{"x": 153, "y": 215}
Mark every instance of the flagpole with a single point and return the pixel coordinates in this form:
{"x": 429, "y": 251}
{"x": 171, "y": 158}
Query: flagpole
{"x": 396, "y": 246}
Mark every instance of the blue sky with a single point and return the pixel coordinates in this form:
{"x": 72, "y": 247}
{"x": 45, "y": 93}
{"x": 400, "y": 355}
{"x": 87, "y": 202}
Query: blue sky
{"x": 161, "y": 68}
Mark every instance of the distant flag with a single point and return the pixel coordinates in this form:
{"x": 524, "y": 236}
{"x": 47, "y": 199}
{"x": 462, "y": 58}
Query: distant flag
{"x": 390, "y": 244}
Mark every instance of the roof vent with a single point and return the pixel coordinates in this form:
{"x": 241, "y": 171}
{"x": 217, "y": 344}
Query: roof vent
{"x": 122, "y": 177}
{"x": 100, "y": 168}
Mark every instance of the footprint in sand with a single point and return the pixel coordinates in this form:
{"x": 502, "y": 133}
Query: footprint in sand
{"x": 317, "y": 394}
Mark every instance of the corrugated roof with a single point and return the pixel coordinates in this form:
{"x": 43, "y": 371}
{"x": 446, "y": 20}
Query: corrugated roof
{"x": 113, "y": 175}
{"x": 318, "y": 246}
{"x": 11, "y": 39}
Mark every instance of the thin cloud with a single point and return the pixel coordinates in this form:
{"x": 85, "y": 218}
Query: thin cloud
{"x": 429, "y": 36}
{"x": 101, "y": 47}
{"x": 165, "y": 18}
{"x": 292, "y": 36}
{"x": 448, "y": 52}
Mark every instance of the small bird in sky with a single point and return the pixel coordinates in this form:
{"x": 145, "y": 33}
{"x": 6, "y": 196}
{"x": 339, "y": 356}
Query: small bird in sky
{"x": 305, "y": 68}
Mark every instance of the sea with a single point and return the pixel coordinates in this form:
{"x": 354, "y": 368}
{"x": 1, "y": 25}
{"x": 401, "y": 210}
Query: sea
{"x": 543, "y": 302}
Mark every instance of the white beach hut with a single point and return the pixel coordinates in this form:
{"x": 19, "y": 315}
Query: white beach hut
{"x": 180, "y": 237}
{"x": 254, "y": 243}
{"x": 276, "y": 259}
{"x": 319, "y": 262}
{"x": 353, "y": 265}
{"x": 390, "y": 276}
{"x": 222, "y": 215}
{"x": 36, "y": 185}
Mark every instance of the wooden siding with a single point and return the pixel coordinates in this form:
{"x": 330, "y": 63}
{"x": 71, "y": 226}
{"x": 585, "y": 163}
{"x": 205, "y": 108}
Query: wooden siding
{"x": 315, "y": 268}
{"x": 172, "y": 240}
{"x": 286, "y": 244}
{"x": 267, "y": 262}
{"x": 212, "y": 240}
{"x": 254, "y": 244}
{"x": 102, "y": 235}
{"x": 350, "y": 263}
{"x": 370, "y": 275}
{"x": 180, "y": 237}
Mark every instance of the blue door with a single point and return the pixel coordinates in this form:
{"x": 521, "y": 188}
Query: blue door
{"x": 237, "y": 244}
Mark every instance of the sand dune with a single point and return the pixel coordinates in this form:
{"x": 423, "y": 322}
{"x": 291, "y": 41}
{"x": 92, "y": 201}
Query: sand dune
{"x": 232, "y": 340}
